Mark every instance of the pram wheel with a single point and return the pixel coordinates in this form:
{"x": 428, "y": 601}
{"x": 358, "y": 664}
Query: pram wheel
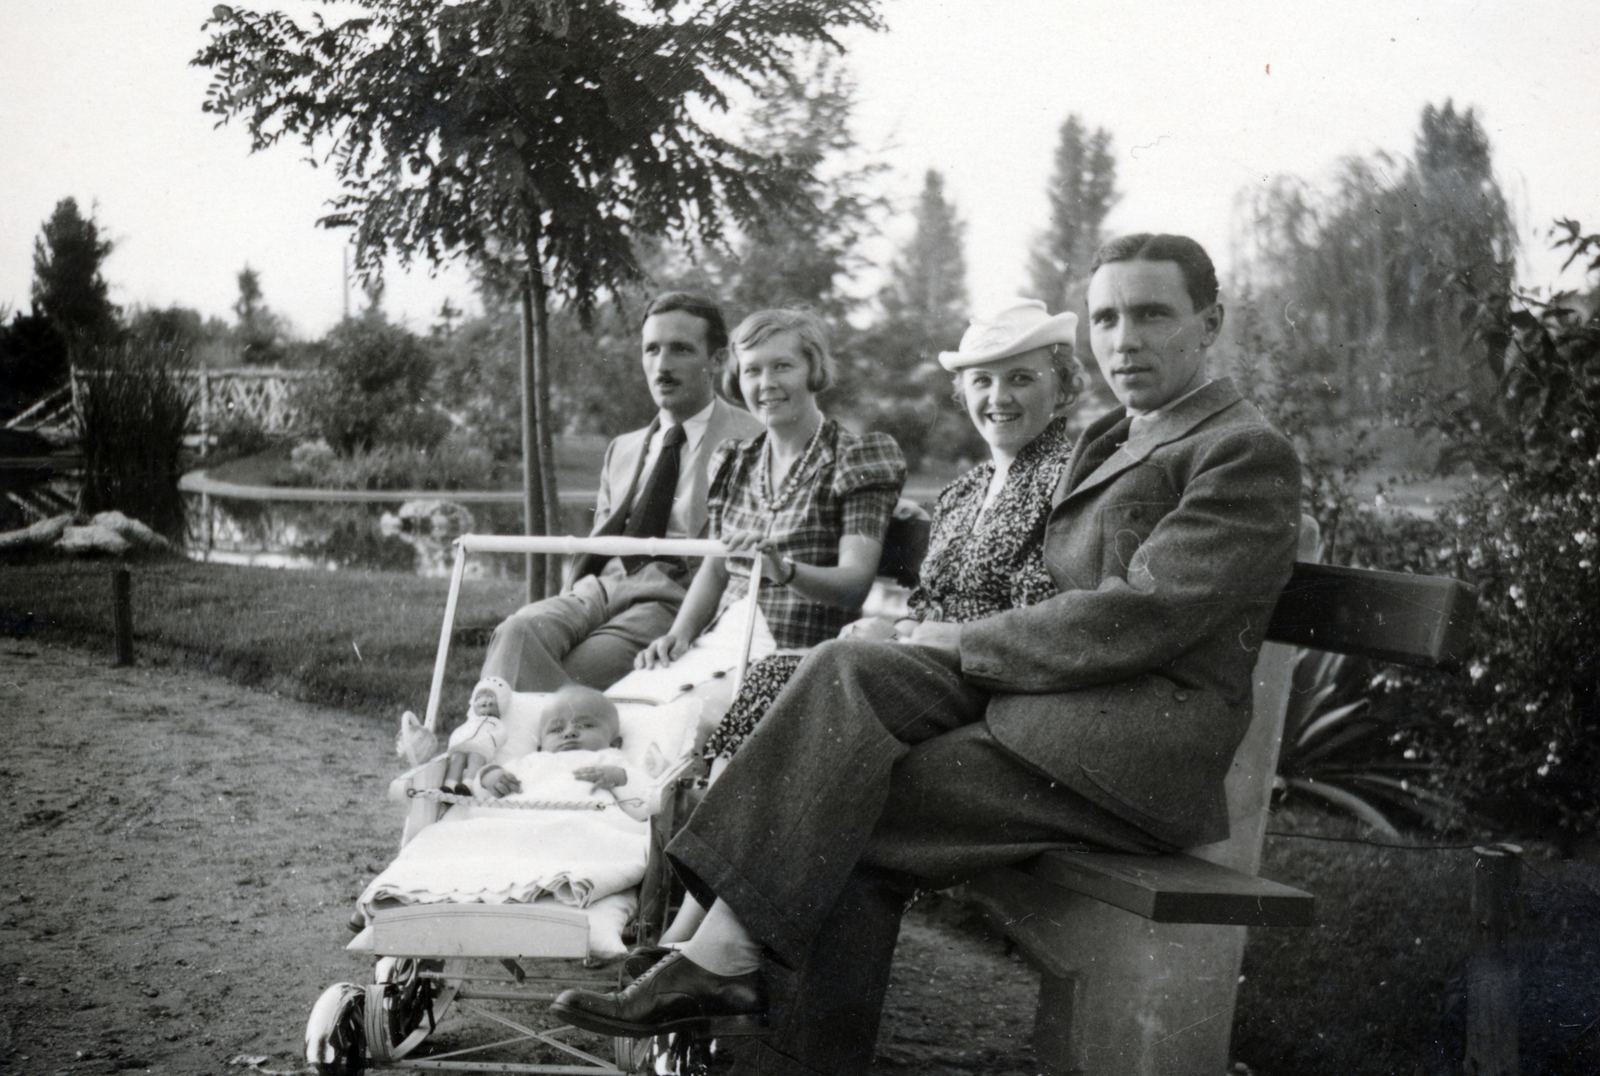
{"x": 336, "y": 1038}
{"x": 634, "y": 1055}
{"x": 683, "y": 1054}
{"x": 396, "y": 1006}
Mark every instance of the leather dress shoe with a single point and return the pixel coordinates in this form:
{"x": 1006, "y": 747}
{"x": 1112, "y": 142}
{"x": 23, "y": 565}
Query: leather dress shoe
{"x": 641, "y": 959}
{"x": 675, "y": 995}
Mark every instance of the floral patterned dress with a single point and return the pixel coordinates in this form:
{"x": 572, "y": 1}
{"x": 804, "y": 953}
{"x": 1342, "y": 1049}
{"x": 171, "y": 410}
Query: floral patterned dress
{"x": 978, "y": 564}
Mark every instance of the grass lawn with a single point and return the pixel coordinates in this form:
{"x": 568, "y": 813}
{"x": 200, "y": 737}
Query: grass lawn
{"x": 1377, "y": 986}
{"x": 363, "y": 641}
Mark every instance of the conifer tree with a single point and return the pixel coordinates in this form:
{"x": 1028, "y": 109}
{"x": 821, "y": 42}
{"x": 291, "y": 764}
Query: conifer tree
{"x": 1082, "y": 191}
{"x": 67, "y": 286}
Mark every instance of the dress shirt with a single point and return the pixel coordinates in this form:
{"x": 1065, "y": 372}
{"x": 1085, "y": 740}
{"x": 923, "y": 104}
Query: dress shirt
{"x": 1143, "y": 420}
{"x": 694, "y": 431}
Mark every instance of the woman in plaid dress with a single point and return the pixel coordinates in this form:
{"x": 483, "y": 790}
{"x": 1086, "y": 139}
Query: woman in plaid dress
{"x": 813, "y": 497}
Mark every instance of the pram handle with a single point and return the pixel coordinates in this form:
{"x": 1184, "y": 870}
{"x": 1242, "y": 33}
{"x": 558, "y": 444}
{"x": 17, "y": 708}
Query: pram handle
{"x": 607, "y": 545}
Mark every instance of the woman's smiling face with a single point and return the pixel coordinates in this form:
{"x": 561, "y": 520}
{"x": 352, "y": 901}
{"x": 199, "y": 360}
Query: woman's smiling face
{"x": 772, "y": 379}
{"x": 1012, "y": 400}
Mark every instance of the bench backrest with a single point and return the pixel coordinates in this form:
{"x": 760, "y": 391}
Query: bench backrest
{"x": 1392, "y": 616}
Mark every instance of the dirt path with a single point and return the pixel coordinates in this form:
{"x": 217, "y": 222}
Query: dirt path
{"x": 181, "y": 855}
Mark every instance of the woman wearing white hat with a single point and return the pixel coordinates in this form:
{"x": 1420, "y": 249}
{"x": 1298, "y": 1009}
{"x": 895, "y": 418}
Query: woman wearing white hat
{"x": 1016, "y": 376}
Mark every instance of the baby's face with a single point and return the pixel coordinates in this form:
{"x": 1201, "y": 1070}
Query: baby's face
{"x": 485, "y": 703}
{"x": 576, "y": 728}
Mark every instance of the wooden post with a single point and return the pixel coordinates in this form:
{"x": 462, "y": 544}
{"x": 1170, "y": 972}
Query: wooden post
{"x": 542, "y": 428}
{"x": 205, "y": 410}
{"x": 532, "y": 474}
{"x": 122, "y": 614}
{"x": 1493, "y": 981}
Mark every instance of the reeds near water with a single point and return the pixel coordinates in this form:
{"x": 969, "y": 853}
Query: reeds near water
{"x": 134, "y": 407}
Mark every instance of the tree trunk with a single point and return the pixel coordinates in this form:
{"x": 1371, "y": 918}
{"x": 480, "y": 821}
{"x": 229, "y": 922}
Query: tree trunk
{"x": 533, "y": 515}
{"x": 542, "y": 424}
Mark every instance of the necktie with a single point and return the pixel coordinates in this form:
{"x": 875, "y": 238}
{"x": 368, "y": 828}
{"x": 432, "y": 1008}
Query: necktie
{"x": 653, "y": 507}
{"x": 1098, "y": 451}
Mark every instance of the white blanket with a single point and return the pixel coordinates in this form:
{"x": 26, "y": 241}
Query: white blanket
{"x": 494, "y": 854}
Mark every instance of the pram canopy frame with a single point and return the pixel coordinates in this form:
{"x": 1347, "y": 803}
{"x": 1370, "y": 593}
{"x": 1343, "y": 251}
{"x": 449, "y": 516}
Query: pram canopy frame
{"x": 571, "y": 545}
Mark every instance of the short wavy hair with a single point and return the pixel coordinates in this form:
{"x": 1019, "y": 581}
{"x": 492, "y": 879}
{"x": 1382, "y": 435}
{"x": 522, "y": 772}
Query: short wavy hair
{"x": 1199, "y": 275}
{"x": 809, "y": 330}
{"x": 1063, "y": 363}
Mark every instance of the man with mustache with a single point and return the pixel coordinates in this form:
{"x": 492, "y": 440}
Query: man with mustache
{"x": 1105, "y": 716}
{"x": 652, "y": 485}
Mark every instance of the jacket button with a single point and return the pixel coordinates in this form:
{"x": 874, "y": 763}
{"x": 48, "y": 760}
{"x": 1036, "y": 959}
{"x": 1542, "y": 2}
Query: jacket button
{"x": 1181, "y": 696}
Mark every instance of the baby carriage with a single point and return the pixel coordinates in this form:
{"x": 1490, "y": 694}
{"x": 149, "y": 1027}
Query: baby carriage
{"x": 463, "y": 925}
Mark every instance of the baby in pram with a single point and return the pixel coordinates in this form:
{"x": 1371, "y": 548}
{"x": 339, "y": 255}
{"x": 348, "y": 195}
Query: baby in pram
{"x": 559, "y": 813}
{"x": 579, "y": 739}
{"x": 576, "y": 718}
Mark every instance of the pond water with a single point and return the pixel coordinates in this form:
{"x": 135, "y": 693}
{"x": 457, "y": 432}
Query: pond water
{"x": 413, "y": 536}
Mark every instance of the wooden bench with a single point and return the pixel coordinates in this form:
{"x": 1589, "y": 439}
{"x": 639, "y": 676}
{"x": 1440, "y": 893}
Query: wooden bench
{"x": 1139, "y": 956}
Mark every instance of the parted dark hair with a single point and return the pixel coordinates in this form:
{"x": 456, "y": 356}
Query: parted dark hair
{"x": 1199, "y": 275}
{"x": 696, "y": 305}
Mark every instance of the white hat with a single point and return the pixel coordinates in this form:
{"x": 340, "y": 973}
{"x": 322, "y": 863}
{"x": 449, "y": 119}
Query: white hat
{"x": 1020, "y": 327}
{"x": 502, "y": 693}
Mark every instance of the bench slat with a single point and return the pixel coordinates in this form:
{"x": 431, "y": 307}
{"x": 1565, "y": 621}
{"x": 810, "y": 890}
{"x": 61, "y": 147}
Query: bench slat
{"x": 1391, "y": 616}
{"x": 1176, "y": 888}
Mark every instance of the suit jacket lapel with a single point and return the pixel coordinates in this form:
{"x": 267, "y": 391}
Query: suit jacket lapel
{"x": 626, "y": 467}
{"x": 1169, "y": 426}
{"x": 717, "y": 431}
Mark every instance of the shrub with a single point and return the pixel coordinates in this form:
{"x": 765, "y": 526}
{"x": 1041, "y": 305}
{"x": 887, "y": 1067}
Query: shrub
{"x": 452, "y": 465}
{"x": 134, "y": 408}
{"x": 33, "y": 360}
{"x": 376, "y": 389}
{"x": 238, "y": 435}
{"x": 1522, "y": 730}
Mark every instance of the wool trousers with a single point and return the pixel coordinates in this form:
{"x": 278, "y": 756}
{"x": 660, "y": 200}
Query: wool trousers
{"x": 590, "y": 634}
{"x": 872, "y": 774}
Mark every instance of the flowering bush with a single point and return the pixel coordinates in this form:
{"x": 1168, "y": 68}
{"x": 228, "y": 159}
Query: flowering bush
{"x": 1521, "y": 730}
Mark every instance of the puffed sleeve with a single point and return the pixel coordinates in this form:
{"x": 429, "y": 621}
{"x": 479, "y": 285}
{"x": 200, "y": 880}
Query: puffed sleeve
{"x": 867, "y": 481}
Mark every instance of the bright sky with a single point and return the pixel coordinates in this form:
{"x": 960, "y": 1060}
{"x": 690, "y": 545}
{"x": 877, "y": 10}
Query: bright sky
{"x": 1203, "y": 99}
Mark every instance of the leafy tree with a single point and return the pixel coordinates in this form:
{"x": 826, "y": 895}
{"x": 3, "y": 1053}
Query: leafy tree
{"x": 67, "y": 286}
{"x": 928, "y": 281}
{"x": 538, "y": 139}
{"x": 33, "y": 361}
{"x": 806, "y": 257}
{"x": 1082, "y": 191}
{"x": 924, "y": 308}
{"x": 260, "y": 332}
{"x": 1375, "y": 280}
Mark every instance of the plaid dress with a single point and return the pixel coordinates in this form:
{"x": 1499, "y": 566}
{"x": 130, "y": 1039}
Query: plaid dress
{"x": 844, "y": 483}
{"x": 975, "y": 567}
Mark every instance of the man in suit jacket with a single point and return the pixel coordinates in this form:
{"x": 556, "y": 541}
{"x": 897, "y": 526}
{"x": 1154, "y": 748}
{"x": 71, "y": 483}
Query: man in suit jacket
{"x": 1105, "y": 716}
{"x": 610, "y": 609}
